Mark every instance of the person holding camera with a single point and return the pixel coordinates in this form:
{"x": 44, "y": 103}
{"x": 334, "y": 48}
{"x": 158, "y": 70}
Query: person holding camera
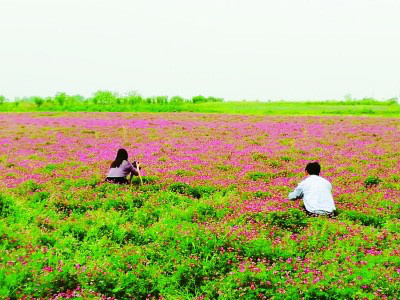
{"x": 120, "y": 168}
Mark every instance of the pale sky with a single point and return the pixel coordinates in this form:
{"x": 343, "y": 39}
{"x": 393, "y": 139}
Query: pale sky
{"x": 235, "y": 49}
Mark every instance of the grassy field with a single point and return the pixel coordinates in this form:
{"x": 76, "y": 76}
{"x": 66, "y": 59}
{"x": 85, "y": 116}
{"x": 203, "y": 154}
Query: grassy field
{"x": 369, "y": 107}
{"x": 212, "y": 219}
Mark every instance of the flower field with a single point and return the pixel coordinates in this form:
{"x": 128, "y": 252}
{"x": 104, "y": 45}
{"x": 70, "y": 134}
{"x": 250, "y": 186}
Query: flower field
{"x": 211, "y": 220}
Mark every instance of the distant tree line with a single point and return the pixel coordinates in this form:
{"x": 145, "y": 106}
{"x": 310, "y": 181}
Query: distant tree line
{"x": 109, "y": 98}
{"x": 133, "y": 101}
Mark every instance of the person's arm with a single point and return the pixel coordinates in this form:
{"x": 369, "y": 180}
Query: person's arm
{"x": 134, "y": 172}
{"x": 130, "y": 170}
{"x": 297, "y": 193}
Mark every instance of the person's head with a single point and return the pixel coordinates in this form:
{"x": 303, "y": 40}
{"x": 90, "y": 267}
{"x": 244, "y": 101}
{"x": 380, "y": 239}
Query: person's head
{"x": 313, "y": 168}
{"x": 122, "y": 155}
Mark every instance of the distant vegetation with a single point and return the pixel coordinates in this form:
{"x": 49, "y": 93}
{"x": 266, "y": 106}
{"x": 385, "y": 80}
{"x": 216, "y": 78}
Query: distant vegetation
{"x": 131, "y": 102}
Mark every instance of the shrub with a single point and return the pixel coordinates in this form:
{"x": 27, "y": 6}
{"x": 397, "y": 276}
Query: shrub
{"x": 177, "y": 99}
{"x": 182, "y": 173}
{"x": 259, "y": 248}
{"x": 214, "y": 99}
{"x": 38, "y": 101}
{"x": 81, "y": 182}
{"x": 61, "y": 98}
{"x": 40, "y": 196}
{"x": 48, "y": 169}
{"x": 162, "y": 99}
{"x": 145, "y": 179}
{"x": 196, "y": 192}
{"x": 201, "y": 191}
{"x": 199, "y": 99}
{"x": 179, "y": 187}
{"x": 136, "y": 201}
{"x": 133, "y": 98}
{"x": 29, "y": 186}
{"x": 7, "y": 206}
{"x": 371, "y": 181}
{"x": 104, "y": 97}
{"x": 366, "y": 220}
{"x": 46, "y": 240}
{"x": 259, "y": 176}
{"x": 262, "y": 194}
{"x": 293, "y": 219}
{"x": 205, "y": 212}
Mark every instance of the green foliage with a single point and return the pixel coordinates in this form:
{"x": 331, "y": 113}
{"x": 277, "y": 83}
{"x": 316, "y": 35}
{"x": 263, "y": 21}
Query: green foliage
{"x": 145, "y": 179}
{"x": 183, "y": 173}
{"x": 162, "y": 99}
{"x": 293, "y": 219}
{"x": 263, "y": 249}
{"x": 262, "y": 194}
{"x": 133, "y": 98}
{"x": 177, "y": 100}
{"x": 38, "y": 101}
{"x": 256, "y": 175}
{"x": 29, "y": 186}
{"x": 260, "y": 156}
{"x": 48, "y": 169}
{"x": 134, "y": 102}
{"x": 179, "y": 187}
{"x": 40, "y": 196}
{"x": 2, "y": 99}
{"x": 371, "y": 181}
{"x": 195, "y": 192}
{"x": 7, "y": 205}
{"x": 199, "y": 99}
{"x": 224, "y": 167}
{"x": 275, "y": 164}
{"x": 364, "y": 219}
{"x": 105, "y": 97}
{"x": 61, "y": 98}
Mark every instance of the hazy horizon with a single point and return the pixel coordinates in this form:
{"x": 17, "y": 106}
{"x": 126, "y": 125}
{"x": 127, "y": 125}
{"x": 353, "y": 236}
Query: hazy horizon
{"x": 253, "y": 50}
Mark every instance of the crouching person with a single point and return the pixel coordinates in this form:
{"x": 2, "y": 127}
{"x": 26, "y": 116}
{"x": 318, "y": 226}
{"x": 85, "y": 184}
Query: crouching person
{"x": 316, "y": 192}
{"x": 121, "y": 168}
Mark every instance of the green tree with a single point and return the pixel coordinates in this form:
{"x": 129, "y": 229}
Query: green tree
{"x": 74, "y": 99}
{"x": 105, "y": 97}
{"x": 133, "y": 98}
{"x": 348, "y": 97}
{"x": 150, "y": 100}
{"x": 2, "y": 99}
{"x": 177, "y": 99}
{"x": 38, "y": 101}
{"x": 162, "y": 99}
{"x": 61, "y": 98}
{"x": 392, "y": 101}
{"x": 198, "y": 99}
{"x": 213, "y": 99}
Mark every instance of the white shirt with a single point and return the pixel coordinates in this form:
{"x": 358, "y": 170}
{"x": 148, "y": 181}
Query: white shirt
{"x": 122, "y": 171}
{"x": 317, "y": 194}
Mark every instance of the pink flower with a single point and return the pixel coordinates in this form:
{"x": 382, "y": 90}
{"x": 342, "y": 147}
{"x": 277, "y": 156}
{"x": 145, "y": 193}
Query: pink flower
{"x": 316, "y": 280}
{"x": 48, "y": 269}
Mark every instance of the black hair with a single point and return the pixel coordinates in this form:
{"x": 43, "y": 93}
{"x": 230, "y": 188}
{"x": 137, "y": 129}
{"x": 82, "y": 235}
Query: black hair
{"x": 313, "y": 168}
{"x": 122, "y": 155}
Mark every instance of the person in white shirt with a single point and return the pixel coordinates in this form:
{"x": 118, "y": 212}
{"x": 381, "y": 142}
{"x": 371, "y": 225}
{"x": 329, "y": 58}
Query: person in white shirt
{"x": 315, "y": 191}
{"x": 120, "y": 168}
